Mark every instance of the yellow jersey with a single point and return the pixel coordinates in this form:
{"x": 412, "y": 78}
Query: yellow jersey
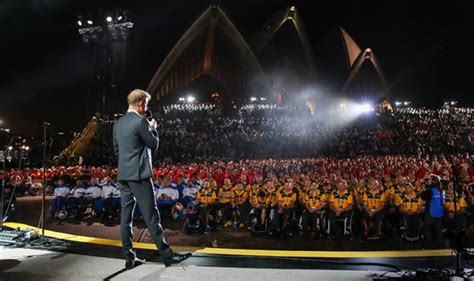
{"x": 341, "y": 200}
{"x": 206, "y": 196}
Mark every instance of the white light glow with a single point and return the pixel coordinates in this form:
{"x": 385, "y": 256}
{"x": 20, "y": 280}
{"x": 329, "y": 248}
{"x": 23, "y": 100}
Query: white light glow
{"x": 253, "y": 98}
{"x": 90, "y": 22}
{"x": 191, "y": 99}
{"x": 364, "y": 108}
{"x": 79, "y": 23}
{"x": 108, "y": 19}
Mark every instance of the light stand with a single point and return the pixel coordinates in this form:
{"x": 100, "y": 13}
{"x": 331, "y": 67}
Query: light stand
{"x": 43, "y": 242}
{"x": 45, "y": 125}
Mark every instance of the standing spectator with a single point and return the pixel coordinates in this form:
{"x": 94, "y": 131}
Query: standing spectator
{"x": 433, "y": 222}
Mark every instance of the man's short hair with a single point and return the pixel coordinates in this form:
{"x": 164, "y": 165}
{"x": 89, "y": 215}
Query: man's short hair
{"x": 137, "y": 96}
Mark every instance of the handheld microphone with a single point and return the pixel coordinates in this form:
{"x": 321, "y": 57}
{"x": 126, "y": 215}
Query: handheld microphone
{"x": 149, "y": 115}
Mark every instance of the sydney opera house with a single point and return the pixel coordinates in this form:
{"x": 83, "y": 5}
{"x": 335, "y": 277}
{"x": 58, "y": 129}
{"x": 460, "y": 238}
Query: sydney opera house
{"x": 276, "y": 62}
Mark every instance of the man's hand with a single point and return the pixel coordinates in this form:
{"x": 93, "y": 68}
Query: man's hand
{"x": 153, "y": 123}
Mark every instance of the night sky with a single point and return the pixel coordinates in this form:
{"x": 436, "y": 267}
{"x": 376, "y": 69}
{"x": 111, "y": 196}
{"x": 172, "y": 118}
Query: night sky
{"x": 47, "y": 71}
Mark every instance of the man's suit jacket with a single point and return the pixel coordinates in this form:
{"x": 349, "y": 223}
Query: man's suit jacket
{"x": 134, "y": 142}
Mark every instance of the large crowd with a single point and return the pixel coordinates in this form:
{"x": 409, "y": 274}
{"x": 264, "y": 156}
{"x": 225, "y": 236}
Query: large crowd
{"x": 262, "y": 132}
{"x": 283, "y": 171}
{"x": 371, "y": 196}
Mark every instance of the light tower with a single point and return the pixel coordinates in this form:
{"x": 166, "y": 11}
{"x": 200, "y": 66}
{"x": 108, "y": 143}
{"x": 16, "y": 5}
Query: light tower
{"x": 107, "y": 33}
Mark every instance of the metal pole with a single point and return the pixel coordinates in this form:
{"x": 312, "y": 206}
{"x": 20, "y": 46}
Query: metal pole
{"x": 3, "y": 195}
{"x": 44, "y": 180}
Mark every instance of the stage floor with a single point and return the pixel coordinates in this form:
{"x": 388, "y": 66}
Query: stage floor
{"x": 30, "y": 264}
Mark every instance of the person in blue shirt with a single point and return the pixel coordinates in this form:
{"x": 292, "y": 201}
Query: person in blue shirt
{"x": 434, "y": 214}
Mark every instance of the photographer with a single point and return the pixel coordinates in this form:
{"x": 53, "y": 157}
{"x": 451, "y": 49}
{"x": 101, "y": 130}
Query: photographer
{"x": 433, "y": 221}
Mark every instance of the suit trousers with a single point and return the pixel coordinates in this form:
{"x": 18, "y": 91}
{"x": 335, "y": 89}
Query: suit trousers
{"x": 140, "y": 192}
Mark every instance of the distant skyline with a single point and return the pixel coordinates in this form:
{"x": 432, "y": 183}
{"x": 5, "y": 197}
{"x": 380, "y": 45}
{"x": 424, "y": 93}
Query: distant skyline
{"x": 47, "y": 71}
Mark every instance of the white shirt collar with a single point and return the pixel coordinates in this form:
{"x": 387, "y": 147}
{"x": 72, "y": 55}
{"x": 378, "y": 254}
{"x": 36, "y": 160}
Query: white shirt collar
{"x": 134, "y": 111}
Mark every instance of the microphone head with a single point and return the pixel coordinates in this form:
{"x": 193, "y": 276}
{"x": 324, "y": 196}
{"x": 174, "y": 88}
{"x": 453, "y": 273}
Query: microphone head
{"x": 149, "y": 114}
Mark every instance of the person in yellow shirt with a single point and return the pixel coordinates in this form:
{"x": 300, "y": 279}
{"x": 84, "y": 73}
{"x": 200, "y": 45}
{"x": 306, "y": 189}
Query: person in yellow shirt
{"x": 327, "y": 188}
{"x": 272, "y": 194}
{"x": 314, "y": 202}
{"x": 286, "y": 199}
{"x": 206, "y": 197}
{"x": 272, "y": 206}
{"x": 255, "y": 187}
{"x": 260, "y": 203}
{"x": 358, "y": 192}
{"x": 340, "y": 206}
{"x": 468, "y": 188}
{"x": 393, "y": 216}
{"x": 225, "y": 206}
{"x": 410, "y": 206}
{"x": 374, "y": 201}
{"x": 301, "y": 190}
{"x": 240, "y": 205}
{"x": 452, "y": 223}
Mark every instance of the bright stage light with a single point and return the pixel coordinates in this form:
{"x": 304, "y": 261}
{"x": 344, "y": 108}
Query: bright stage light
{"x": 90, "y": 22}
{"x": 398, "y": 103}
{"x": 182, "y": 99}
{"x": 120, "y": 18}
{"x": 367, "y": 107}
{"x": 191, "y": 99}
{"x": 79, "y": 23}
{"x": 406, "y": 103}
{"x": 253, "y": 98}
{"x": 364, "y": 108}
{"x": 108, "y": 19}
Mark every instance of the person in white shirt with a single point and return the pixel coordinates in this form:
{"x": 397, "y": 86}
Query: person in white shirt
{"x": 189, "y": 193}
{"x": 61, "y": 192}
{"x": 166, "y": 198}
{"x": 94, "y": 194}
{"x": 110, "y": 194}
{"x": 79, "y": 191}
{"x": 76, "y": 198}
{"x": 109, "y": 189}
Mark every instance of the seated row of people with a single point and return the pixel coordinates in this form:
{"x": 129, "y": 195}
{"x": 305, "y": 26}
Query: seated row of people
{"x": 316, "y": 209}
{"x": 86, "y": 198}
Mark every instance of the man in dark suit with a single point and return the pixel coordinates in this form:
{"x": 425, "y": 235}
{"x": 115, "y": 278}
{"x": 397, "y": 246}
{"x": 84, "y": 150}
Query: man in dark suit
{"x": 135, "y": 138}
